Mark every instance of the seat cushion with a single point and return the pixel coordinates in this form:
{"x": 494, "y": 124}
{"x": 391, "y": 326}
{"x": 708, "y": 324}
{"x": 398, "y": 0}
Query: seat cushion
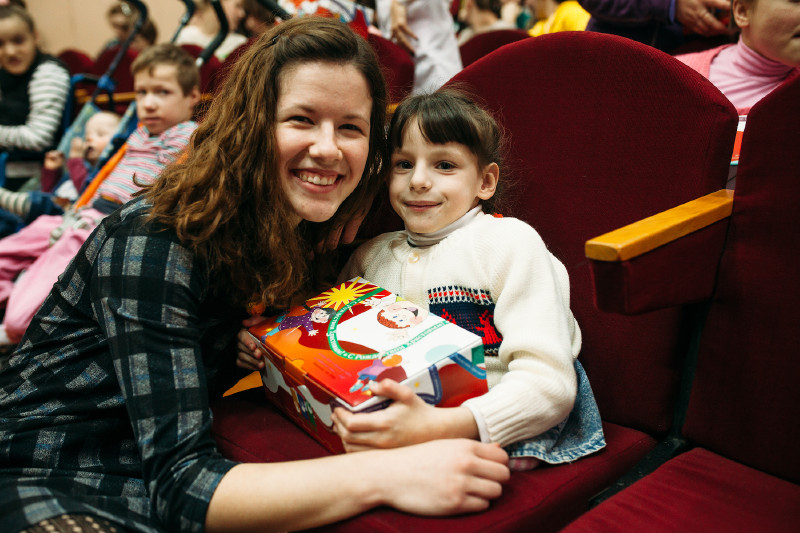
{"x": 248, "y": 428}
{"x": 699, "y": 491}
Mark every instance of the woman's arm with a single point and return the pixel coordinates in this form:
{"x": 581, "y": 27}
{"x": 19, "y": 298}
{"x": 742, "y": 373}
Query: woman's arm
{"x": 47, "y": 93}
{"x": 437, "y": 478}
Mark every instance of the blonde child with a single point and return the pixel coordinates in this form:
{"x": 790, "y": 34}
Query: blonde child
{"x": 493, "y": 276}
{"x": 83, "y": 154}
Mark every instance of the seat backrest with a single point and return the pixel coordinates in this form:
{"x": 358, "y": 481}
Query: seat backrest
{"x": 398, "y": 67}
{"x": 228, "y": 63}
{"x": 605, "y": 131}
{"x": 208, "y": 70}
{"x": 486, "y": 42}
{"x": 77, "y": 62}
{"x": 122, "y": 74}
{"x": 745, "y": 401}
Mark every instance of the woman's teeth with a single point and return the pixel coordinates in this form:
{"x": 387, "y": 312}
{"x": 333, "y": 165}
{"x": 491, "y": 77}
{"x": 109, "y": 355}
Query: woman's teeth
{"x": 316, "y": 179}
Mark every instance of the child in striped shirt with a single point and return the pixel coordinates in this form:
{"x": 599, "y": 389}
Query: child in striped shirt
{"x": 166, "y": 82}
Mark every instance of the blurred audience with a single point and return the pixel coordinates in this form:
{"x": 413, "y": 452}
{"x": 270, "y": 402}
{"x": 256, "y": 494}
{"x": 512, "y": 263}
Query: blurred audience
{"x": 481, "y": 16}
{"x": 204, "y": 26}
{"x": 663, "y": 24}
{"x": 553, "y": 16}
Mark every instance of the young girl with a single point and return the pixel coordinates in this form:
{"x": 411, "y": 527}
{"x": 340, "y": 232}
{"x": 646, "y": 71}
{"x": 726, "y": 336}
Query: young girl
{"x": 104, "y": 408}
{"x": 33, "y": 90}
{"x": 492, "y": 276}
{"x": 766, "y": 54}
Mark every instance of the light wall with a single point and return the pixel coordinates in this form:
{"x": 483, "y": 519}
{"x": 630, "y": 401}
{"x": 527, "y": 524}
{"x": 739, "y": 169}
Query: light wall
{"x": 82, "y": 24}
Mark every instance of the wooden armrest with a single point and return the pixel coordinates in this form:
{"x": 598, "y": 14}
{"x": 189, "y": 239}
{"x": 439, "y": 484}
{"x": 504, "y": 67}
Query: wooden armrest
{"x": 650, "y": 233}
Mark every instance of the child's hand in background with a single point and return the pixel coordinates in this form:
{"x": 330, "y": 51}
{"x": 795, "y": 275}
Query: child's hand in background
{"x": 77, "y": 148}
{"x": 407, "y": 420}
{"x": 249, "y": 355}
{"x": 53, "y": 160}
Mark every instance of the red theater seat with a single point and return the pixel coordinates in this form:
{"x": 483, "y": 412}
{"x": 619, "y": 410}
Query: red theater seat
{"x": 398, "y": 67}
{"x": 485, "y": 43}
{"x": 743, "y": 414}
{"x": 626, "y": 131}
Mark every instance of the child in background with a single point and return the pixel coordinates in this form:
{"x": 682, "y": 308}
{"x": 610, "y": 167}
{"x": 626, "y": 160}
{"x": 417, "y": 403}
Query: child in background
{"x": 83, "y": 155}
{"x": 166, "y": 82}
{"x": 766, "y": 54}
{"x": 511, "y": 291}
{"x": 33, "y": 90}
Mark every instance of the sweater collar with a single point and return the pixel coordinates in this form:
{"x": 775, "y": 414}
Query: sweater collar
{"x": 752, "y": 63}
{"x": 423, "y": 240}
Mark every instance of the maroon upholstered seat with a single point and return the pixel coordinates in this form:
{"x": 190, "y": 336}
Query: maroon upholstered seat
{"x": 604, "y": 132}
{"x": 484, "y": 43}
{"x": 398, "y": 67}
{"x": 592, "y": 147}
{"x": 122, "y": 74}
{"x": 208, "y": 70}
{"x": 744, "y": 409}
{"x": 77, "y": 62}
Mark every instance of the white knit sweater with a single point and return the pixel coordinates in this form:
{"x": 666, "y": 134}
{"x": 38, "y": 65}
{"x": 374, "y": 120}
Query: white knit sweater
{"x": 532, "y": 379}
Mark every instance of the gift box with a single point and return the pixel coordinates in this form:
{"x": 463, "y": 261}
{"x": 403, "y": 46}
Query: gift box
{"x": 326, "y": 353}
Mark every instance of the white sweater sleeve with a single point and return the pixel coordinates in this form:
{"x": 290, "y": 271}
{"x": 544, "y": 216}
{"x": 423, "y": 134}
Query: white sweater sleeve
{"x": 47, "y": 92}
{"x": 540, "y": 336}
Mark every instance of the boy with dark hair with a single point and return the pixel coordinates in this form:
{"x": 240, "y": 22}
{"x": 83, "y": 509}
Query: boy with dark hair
{"x": 166, "y": 82}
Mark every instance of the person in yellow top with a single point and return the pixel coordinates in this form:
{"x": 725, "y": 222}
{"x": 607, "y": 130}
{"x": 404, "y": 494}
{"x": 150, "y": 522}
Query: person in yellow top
{"x": 553, "y": 16}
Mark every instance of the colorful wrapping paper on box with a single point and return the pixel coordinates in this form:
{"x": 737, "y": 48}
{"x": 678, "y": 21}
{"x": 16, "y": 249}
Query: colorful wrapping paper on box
{"x": 326, "y": 353}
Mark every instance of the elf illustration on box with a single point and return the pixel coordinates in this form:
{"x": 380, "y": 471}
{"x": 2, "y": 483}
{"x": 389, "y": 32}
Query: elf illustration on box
{"x": 319, "y": 315}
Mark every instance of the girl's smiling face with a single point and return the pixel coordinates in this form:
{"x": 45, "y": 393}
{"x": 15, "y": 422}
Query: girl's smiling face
{"x": 322, "y": 135}
{"x": 17, "y": 45}
{"x": 433, "y": 185}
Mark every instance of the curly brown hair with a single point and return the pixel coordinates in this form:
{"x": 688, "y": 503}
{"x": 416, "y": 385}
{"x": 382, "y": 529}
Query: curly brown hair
{"x": 225, "y": 200}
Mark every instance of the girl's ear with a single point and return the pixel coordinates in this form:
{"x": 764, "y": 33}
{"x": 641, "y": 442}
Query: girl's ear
{"x": 491, "y": 173}
{"x": 741, "y": 13}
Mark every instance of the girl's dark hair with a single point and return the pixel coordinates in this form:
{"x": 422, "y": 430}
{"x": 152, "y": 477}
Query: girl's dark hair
{"x": 13, "y": 10}
{"x": 225, "y": 200}
{"x": 452, "y": 115}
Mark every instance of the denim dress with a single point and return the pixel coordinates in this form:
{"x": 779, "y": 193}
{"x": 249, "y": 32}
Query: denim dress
{"x": 580, "y": 434}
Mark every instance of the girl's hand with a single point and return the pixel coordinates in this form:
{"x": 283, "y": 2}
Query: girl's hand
{"x": 249, "y": 356}
{"x": 408, "y": 420}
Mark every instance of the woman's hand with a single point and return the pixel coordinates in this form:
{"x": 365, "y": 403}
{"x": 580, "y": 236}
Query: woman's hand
{"x": 445, "y": 476}
{"x": 408, "y": 420}
{"x": 249, "y": 354}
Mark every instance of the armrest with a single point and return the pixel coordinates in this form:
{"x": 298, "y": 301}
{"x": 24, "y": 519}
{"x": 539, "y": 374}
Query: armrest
{"x": 645, "y": 235}
{"x": 666, "y": 260}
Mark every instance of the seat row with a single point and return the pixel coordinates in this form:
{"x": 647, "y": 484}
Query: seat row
{"x": 605, "y": 132}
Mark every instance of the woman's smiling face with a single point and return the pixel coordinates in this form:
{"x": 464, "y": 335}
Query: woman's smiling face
{"x": 322, "y": 135}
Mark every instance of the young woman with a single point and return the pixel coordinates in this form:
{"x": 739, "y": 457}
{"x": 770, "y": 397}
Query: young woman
{"x": 104, "y": 408}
